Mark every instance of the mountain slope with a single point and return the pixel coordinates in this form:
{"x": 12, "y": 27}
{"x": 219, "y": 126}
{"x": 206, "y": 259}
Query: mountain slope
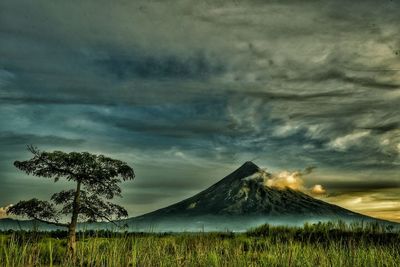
{"x": 239, "y": 199}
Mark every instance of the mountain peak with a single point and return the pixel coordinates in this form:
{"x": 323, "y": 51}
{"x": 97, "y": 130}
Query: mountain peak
{"x": 248, "y": 167}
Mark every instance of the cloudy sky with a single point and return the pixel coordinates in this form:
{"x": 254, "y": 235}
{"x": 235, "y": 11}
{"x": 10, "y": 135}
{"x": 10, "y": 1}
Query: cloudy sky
{"x": 186, "y": 91}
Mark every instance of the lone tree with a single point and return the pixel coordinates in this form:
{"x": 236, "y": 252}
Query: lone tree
{"x": 96, "y": 178}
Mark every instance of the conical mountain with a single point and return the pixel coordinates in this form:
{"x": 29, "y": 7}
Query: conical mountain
{"x": 242, "y": 198}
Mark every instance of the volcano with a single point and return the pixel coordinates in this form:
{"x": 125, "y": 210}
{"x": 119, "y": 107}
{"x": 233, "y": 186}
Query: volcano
{"x": 239, "y": 201}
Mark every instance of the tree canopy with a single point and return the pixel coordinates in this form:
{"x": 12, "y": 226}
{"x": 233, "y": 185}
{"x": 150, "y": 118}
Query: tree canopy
{"x": 97, "y": 180}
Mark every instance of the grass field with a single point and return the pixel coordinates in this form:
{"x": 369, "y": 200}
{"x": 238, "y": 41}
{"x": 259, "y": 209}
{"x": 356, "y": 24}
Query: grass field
{"x": 328, "y": 244}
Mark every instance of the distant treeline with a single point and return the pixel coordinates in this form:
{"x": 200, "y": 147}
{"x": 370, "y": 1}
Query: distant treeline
{"x": 316, "y": 232}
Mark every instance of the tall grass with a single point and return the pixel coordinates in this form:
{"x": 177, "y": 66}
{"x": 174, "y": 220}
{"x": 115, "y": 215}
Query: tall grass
{"x": 312, "y": 245}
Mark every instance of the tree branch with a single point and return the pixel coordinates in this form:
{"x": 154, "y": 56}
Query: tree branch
{"x": 37, "y": 153}
{"x": 102, "y": 216}
{"x": 53, "y": 223}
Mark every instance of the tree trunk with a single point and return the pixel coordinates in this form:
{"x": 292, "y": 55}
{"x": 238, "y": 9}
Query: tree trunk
{"x": 74, "y": 220}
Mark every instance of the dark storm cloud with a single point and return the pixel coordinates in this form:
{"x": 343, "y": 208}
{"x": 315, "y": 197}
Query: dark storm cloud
{"x": 207, "y": 84}
{"x": 147, "y": 198}
{"x": 269, "y": 96}
{"x": 17, "y": 139}
{"x": 369, "y": 81}
{"x": 364, "y": 186}
{"x": 202, "y": 119}
{"x": 385, "y": 127}
{"x": 167, "y": 67}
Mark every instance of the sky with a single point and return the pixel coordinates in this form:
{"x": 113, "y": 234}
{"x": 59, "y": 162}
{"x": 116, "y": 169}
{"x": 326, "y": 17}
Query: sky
{"x": 186, "y": 91}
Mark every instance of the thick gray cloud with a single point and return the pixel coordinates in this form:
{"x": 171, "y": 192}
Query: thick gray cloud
{"x": 187, "y": 90}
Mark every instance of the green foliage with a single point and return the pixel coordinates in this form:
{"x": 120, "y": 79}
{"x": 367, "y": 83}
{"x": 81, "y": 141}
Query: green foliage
{"x": 34, "y": 208}
{"x": 97, "y": 173}
{"x": 97, "y": 178}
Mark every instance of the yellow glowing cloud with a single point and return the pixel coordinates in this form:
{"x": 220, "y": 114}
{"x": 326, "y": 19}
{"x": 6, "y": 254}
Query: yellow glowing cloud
{"x": 286, "y": 179}
{"x": 318, "y": 190}
{"x": 3, "y": 211}
{"x": 293, "y": 180}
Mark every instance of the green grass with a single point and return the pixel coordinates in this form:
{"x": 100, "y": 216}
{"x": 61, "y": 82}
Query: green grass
{"x": 312, "y": 245}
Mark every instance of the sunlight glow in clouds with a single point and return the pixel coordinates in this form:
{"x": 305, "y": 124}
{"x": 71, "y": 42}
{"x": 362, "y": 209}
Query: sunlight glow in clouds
{"x": 318, "y": 190}
{"x": 3, "y": 211}
{"x": 375, "y": 204}
{"x": 286, "y": 179}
